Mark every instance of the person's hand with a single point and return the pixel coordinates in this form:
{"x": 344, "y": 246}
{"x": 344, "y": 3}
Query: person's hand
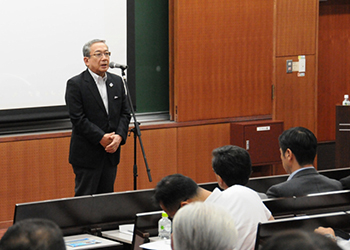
{"x": 325, "y": 230}
{"x": 113, "y": 146}
{"x": 107, "y": 139}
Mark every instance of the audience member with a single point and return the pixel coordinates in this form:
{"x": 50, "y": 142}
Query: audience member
{"x": 245, "y": 206}
{"x": 298, "y": 150}
{"x": 329, "y": 232}
{"x": 232, "y": 166}
{"x": 345, "y": 182}
{"x": 33, "y": 234}
{"x": 299, "y": 240}
{"x": 203, "y": 226}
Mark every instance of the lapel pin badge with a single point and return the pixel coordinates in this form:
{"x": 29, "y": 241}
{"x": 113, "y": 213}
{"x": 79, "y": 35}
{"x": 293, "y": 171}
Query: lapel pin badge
{"x": 115, "y": 97}
{"x": 111, "y": 85}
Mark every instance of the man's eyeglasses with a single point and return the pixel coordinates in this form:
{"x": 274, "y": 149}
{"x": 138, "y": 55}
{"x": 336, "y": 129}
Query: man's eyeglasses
{"x": 100, "y": 54}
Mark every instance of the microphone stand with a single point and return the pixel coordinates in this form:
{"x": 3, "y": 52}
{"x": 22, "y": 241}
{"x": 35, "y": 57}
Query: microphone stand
{"x": 137, "y": 133}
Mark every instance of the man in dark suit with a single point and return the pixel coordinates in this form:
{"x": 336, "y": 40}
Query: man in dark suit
{"x": 100, "y": 115}
{"x": 298, "y": 150}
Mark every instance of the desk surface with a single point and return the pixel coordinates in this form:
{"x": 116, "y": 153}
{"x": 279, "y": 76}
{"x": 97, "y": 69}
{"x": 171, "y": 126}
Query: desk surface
{"x": 155, "y": 242}
{"x": 117, "y": 235}
{"x": 100, "y": 242}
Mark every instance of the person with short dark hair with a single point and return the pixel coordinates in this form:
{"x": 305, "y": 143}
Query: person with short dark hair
{"x": 244, "y": 205}
{"x": 33, "y": 234}
{"x": 298, "y": 148}
{"x": 299, "y": 240}
{"x": 232, "y": 166}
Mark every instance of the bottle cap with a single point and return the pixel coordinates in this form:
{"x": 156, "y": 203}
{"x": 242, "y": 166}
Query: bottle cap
{"x": 164, "y": 214}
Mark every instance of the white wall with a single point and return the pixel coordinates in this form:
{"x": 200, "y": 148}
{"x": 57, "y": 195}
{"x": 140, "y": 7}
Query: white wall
{"x": 41, "y": 46}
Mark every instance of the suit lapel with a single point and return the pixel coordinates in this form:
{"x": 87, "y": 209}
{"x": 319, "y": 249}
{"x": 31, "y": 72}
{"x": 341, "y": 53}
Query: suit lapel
{"x": 90, "y": 82}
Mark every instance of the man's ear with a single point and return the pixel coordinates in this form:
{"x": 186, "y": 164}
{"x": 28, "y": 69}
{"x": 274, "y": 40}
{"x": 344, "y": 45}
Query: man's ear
{"x": 86, "y": 61}
{"x": 183, "y": 203}
{"x": 220, "y": 181}
{"x": 288, "y": 154}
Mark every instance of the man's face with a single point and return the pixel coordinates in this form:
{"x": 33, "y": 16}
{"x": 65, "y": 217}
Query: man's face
{"x": 98, "y": 62}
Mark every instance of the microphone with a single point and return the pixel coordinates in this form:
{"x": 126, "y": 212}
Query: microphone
{"x": 116, "y": 65}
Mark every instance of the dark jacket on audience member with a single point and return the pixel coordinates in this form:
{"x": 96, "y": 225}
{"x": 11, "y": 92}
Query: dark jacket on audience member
{"x": 307, "y": 181}
{"x": 345, "y": 182}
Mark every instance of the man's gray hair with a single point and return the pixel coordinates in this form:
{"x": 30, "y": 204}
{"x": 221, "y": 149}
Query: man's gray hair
{"x": 201, "y": 225}
{"x": 87, "y": 46}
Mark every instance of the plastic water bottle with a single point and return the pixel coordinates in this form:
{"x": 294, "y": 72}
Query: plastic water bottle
{"x": 346, "y": 101}
{"x": 164, "y": 227}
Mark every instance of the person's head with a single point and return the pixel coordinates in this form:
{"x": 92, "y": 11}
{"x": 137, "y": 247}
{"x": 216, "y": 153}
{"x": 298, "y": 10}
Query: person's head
{"x": 96, "y": 56}
{"x": 33, "y": 234}
{"x": 232, "y": 165}
{"x": 201, "y": 225}
{"x": 173, "y": 190}
{"x": 297, "y": 239}
{"x": 301, "y": 142}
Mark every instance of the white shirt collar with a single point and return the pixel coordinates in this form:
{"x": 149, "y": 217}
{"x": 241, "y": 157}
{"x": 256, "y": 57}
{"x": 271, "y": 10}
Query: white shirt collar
{"x": 96, "y": 76}
{"x": 102, "y": 88}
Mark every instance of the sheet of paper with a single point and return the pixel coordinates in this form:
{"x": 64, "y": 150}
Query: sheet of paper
{"x": 82, "y": 242}
{"x": 157, "y": 245}
{"x": 127, "y": 228}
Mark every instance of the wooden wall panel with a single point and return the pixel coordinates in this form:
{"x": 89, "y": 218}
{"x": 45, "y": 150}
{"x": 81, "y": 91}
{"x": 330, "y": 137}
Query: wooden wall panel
{"x": 296, "y": 27}
{"x": 222, "y": 58}
{"x": 33, "y": 170}
{"x": 195, "y": 145}
{"x": 36, "y": 167}
{"x": 296, "y": 96}
{"x": 171, "y": 60}
{"x": 65, "y": 183}
{"x": 333, "y": 63}
{"x": 6, "y": 204}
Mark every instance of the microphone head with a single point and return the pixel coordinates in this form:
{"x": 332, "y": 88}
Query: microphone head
{"x": 116, "y": 65}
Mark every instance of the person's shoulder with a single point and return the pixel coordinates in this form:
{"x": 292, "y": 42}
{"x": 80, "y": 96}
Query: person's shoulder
{"x": 214, "y": 196}
{"x": 283, "y": 184}
{"x": 79, "y": 76}
{"x": 329, "y": 180}
{"x": 276, "y": 190}
{"x": 345, "y": 182}
{"x": 345, "y": 179}
{"x": 239, "y": 191}
{"x": 240, "y": 188}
